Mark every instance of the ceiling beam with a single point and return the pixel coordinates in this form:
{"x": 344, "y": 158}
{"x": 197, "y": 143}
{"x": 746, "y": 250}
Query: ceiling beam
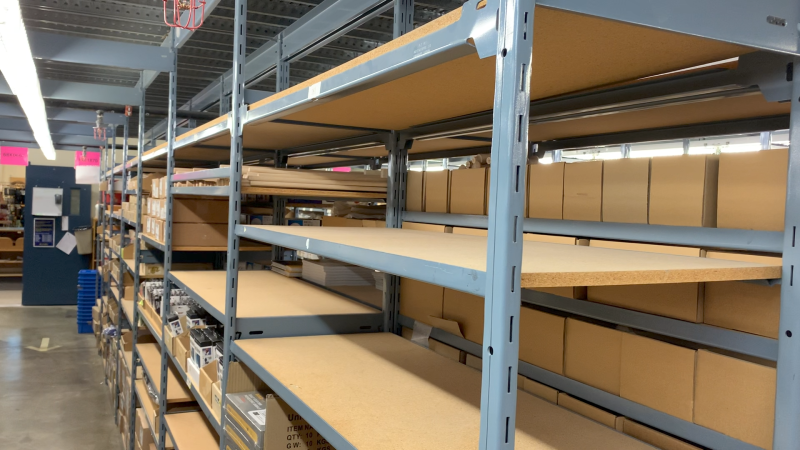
{"x": 21, "y": 137}
{"x": 83, "y": 92}
{"x": 65, "y": 114}
{"x": 21, "y": 124}
{"x": 100, "y": 52}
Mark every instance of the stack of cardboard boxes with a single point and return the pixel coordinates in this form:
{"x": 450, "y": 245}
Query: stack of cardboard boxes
{"x": 732, "y": 190}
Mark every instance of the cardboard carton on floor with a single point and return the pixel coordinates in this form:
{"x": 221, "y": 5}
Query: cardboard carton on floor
{"x": 590, "y": 411}
{"x": 419, "y": 300}
{"x": 583, "y": 191}
{"x": 626, "y": 186}
{"x": 592, "y": 355}
{"x": 546, "y": 191}
{"x": 683, "y": 190}
{"x": 682, "y": 301}
{"x": 468, "y": 189}
{"x": 437, "y": 191}
{"x": 654, "y": 437}
{"x": 742, "y": 306}
{"x": 752, "y": 190}
{"x": 735, "y": 397}
{"x": 658, "y": 375}
{"x": 415, "y": 191}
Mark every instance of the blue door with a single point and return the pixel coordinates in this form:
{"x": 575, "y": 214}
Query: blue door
{"x": 50, "y": 276}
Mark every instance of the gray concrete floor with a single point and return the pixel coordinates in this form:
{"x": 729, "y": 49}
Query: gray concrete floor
{"x": 54, "y": 399}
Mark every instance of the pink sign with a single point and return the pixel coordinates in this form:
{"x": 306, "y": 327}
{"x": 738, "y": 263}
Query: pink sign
{"x": 14, "y": 156}
{"x": 91, "y": 159}
{"x": 341, "y": 169}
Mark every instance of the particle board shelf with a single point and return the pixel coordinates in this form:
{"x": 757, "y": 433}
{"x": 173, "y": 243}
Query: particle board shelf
{"x": 354, "y": 376}
{"x": 270, "y": 305}
{"x": 177, "y": 390}
{"x": 191, "y": 431}
{"x": 459, "y": 261}
{"x": 212, "y": 419}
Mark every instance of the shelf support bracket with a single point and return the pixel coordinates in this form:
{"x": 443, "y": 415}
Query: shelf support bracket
{"x": 506, "y": 213}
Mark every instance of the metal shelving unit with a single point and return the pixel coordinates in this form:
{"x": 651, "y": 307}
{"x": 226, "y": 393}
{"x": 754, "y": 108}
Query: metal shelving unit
{"x": 503, "y": 30}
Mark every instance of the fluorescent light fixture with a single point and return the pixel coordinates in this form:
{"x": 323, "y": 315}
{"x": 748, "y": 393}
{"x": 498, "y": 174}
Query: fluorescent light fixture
{"x": 16, "y": 64}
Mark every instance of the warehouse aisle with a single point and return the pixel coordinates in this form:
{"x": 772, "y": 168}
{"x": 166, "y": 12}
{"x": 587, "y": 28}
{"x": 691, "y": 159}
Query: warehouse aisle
{"x": 54, "y": 398}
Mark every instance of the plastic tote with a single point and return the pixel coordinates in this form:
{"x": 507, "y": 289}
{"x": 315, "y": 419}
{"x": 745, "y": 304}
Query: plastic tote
{"x": 83, "y": 239}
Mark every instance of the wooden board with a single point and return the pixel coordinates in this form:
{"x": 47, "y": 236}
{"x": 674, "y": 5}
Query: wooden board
{"x": 310, "y": 193}
{"x": 177, "y": 391}
{"x": 543, "y": 264}
{"x": 263, "y": 293}
{"x": 435, "y": 402}
{"x": 191, "y": 431}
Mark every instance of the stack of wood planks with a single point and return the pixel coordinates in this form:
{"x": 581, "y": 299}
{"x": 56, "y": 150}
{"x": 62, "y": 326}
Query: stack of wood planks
{"x": 311, "y": 179}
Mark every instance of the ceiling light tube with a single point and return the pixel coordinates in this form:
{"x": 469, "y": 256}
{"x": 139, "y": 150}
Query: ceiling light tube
{"x": 16, "y": 65}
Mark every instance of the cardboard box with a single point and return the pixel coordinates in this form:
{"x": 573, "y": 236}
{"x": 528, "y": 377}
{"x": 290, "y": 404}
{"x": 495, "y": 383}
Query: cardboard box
{"x": 181, "y": 350}
{"x": 682, "y": 301}
{"x": 592, "y": 355}
{"x": 144, "y": 437}
{"x": 437, "y": 191}
{"x": 539, "y": 390}
{"x": 426, "y": 227}
{"x": 658, "y": 375}
{"x": 683, "y": 190}
{"x": 468, "y": 188}
{"x": 545, "y": 191}
{"x": 447, "y": 351}
{"x": 735, "y": 397}
{"x": 208, "y": 376}
{"x": 198, "y": 235}
{"x": 654, "y": 437}
{"x": 473, "y": 361}
{"x": 216, "y": 400}
{"x": 466, "y": 309}
{"x": 626, "y": 190}
{"x": 752, "y": 190}
{"x": 541, "y": 339}
{"x": 743, "y": 307}
{"x": 420, "y": 300}
{"x": 590, "y": 411}
{"x": 330, "y": 221}
{"x": 471, "y": 231}
{"x": 583, "y": 191}
{"x": 415, "y": 191}
{"x": 190, "y": 210}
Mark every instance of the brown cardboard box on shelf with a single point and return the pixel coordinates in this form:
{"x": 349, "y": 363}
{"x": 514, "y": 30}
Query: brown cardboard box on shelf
{"x": 143, "y": 435}
{"x": 466, "y": 309}
{"x": 470, "y": 231}
{"x": 198, "y": 235}
{"x": 583, "y": 191}
{"x": 216, "y": 400}
{"x": 208, "y": 376}
{"x": 682, "y": 301}
{"x": 592, "y": 355}
{"x": 590, "y": 411}
{"x": 752, "y": 190}
{"x": 683, "y": 190}
{"x": 658, "y": 375}
{"x": 415, "y": 191}
{"x": 427, "y": 227}
{"x": 546, "y": 191}
{"x": 626, "y": 189}
{"x": 540, "y": 390}
{"x": 473, "y": 361}
{"x": 419, "y": 300}
{"x": 330, "y": 221}
{"x": 468, "y": 189}
{"x": 654, "y": 437}
{"x": 437, "y": 191}
{"x": 541, "y": 339}
{"x": 742, "y": 306}
{"x": 447, "y": 351}
{"x": 191, "y": 210}
{"x": 735, "y": 397}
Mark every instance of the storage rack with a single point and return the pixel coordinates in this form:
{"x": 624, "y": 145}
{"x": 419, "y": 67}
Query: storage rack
{"x": 275, "y": 121}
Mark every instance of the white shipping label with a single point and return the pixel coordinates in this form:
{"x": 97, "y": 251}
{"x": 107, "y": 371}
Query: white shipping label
{"x": 259, "y": 416}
